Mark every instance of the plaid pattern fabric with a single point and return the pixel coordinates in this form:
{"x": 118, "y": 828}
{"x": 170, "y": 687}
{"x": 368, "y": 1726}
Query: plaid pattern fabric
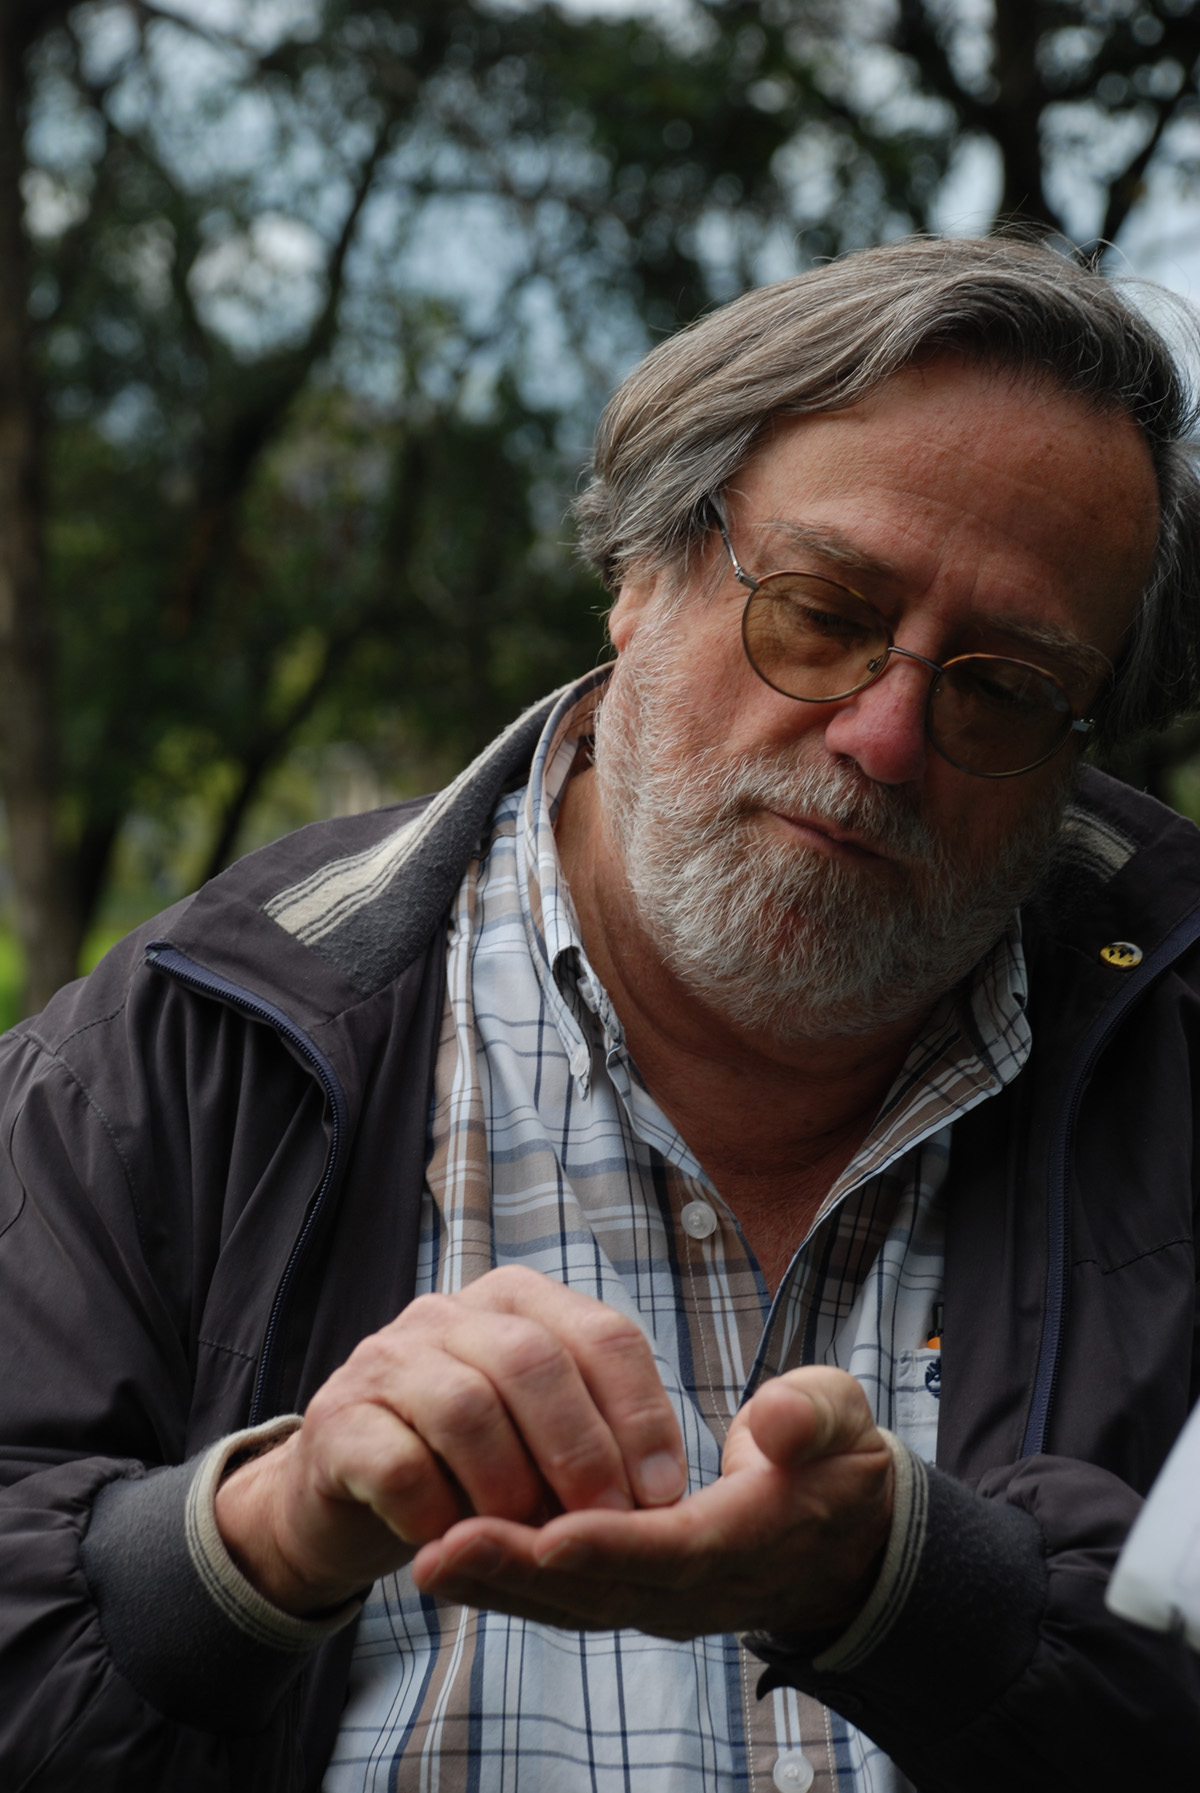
{"x": 547, "y": 1150}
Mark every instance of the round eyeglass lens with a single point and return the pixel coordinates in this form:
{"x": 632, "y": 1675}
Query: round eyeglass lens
{"x": 812, "y": 639}
{"x": 995, "y": 716}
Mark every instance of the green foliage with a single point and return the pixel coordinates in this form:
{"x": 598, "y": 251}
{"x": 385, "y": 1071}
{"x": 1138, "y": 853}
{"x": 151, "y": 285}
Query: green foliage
{"x": 11, "y": 973}
{"x": 286, "y": 511}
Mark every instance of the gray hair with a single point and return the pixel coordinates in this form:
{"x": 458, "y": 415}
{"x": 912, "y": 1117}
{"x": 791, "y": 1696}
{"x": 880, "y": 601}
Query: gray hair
{"x": 690, "y": 416}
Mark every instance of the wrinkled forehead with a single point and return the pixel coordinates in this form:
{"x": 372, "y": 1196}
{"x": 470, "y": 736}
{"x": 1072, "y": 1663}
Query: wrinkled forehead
{"x": 1044, "y": 485}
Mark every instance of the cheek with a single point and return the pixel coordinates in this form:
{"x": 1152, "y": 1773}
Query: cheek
{"x": 981, "y": 819}
{"x": 686, "y": 676}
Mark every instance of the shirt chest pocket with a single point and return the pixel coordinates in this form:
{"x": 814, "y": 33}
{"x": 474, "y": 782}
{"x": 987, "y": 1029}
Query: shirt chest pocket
{"x": 918, "y": 1390}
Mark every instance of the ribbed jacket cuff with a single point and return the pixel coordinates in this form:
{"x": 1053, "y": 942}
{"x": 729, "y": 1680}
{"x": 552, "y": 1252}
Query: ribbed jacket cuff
{"x": 956, "y": 1608}
{"x": 910, "y": 1515}
{"x": 184, "y": 1625}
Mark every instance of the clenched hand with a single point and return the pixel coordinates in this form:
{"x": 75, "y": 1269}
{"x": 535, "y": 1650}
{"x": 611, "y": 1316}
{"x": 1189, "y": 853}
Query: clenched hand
{"x": 516, "y": 1398}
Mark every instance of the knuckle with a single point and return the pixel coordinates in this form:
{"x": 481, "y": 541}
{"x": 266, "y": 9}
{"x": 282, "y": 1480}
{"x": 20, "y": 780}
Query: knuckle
{"x": 421, "y": 1326}
{"x": 408, "y": 1471}
{"x": 510, "y": 1282}
{"x": 368, "y": 1358}
{"x": 583, "y": 1462}
{"x": 528, "y": 1353}
{"x": 324, "y": 1407}
{"x": 467, "y": 1406}
{"x": 518, "y": 1275}
{"x": 615, "y": 1335}
{"x": 425, "y": 1313}
{"x": 653, "y": 1417}
{"x": 369, "y": 1373}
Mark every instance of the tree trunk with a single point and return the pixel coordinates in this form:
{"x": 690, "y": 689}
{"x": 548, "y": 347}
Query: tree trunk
{"x": 1016, "y": 112}
{"x": 46, "y": 923}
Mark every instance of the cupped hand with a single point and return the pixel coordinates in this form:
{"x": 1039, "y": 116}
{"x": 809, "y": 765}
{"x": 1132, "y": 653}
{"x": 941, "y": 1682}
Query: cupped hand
{"x": 789, "y": 1539}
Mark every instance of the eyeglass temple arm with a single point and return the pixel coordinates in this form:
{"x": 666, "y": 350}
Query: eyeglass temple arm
{"x": 739, "y": 571}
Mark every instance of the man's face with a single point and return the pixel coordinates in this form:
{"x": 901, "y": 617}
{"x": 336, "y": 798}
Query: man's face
{"x": 819, "y": 868}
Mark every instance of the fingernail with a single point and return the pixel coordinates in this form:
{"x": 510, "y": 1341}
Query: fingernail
{"x": 661, "y": 1478}
{"x": 566, "y": 1556}
{"x": 479, "y": 1557}
{"x": 620, "y": 1500}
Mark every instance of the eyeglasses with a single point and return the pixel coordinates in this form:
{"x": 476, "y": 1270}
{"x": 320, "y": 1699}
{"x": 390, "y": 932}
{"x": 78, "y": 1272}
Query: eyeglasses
{"x": 819, "y": 642}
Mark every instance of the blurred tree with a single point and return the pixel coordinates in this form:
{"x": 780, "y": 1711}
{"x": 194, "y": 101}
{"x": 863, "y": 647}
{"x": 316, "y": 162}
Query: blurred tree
{"x": 28, "y": 748}
{"x": 1065, "y": 107}
{"x": 304, "y": 316}
{"x": 404, "y": 230}
{"x": 1078, "y": 98}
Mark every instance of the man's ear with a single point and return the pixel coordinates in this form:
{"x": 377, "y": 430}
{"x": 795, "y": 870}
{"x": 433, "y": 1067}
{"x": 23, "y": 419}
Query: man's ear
{"x": 633, "y": 600}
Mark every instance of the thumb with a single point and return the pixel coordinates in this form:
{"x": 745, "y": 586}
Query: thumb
{"x": 809, "y": 1414}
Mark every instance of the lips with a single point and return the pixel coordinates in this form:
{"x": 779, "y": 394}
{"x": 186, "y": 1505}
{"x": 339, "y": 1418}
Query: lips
{"x": 830, "y": 834}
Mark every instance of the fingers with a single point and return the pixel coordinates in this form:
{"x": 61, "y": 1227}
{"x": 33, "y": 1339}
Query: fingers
{"x": 809, "y": 1414}
{"x": 608, "y": 1557}
{"x": 581, "y": 1386}
{"x": 527, "y": 1396}
{"x": 717, "y": 1561}
{"x": 502, "y": 1567}
{"x": 790, "y": 1546}
{"x": 371, "y": 1458}
{"x": 413, "y": 1403}
{"x": 516, "y": 1398}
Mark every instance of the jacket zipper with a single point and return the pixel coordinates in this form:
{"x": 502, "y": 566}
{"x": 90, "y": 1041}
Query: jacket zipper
{"x": 168, "y": 958}
{"x": 1059, "y": 1212}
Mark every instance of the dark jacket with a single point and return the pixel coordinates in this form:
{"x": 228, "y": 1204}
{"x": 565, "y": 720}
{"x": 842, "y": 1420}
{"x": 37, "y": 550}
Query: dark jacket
{"x": 211, "y": 1160}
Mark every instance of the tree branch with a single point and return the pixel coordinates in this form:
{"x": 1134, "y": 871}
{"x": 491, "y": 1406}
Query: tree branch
{"x": 1126, "y": 188}
{"x": 917, "y": 36}
{"x": 266, "y": 751}
{"x": 233, "y": 450}
{"x": 1015, "y": 114}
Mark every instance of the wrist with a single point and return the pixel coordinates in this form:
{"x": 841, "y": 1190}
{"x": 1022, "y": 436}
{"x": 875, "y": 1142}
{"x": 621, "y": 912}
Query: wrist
{"x": 247, "y": 1507}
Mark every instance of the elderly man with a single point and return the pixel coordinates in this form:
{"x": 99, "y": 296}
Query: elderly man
{"x": 767, "y": 1070}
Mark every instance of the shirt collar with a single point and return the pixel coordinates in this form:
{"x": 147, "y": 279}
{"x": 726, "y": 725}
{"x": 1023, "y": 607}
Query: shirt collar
{"x": 568, "y": 983}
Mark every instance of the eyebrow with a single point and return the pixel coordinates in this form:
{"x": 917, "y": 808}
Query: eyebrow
{"x": 1077, "y": 658}
{"x": 1074, "y": 657}
{"x": 831, "y": 544}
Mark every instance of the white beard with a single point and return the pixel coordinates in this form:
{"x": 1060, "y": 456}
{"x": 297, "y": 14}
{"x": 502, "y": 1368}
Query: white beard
{"x": 782, "y": 940}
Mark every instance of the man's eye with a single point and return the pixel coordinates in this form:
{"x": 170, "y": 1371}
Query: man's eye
{"x": 832, "y": 624}
{"x": 1015, "y": 692}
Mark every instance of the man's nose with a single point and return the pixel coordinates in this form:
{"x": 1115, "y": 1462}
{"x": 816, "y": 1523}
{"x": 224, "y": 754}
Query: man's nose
{"x": 882, "y": 728}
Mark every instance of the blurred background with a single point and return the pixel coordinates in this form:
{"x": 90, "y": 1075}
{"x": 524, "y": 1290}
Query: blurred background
{"x": 307, "y": 311}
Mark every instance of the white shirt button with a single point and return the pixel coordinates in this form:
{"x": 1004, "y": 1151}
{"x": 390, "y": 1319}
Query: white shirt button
{"x": 793, "y": 1772}
{"x": 699, "y": 1220}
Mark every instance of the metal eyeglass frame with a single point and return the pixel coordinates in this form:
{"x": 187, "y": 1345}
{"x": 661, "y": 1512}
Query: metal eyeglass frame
{"x": 1082, "y": 725}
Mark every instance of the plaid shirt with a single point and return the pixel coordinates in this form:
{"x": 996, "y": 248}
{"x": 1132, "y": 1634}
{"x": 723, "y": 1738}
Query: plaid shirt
{"x": 548, "y": 1150}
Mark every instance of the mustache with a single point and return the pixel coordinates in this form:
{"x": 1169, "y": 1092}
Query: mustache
{"x": 887, "y": 817}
